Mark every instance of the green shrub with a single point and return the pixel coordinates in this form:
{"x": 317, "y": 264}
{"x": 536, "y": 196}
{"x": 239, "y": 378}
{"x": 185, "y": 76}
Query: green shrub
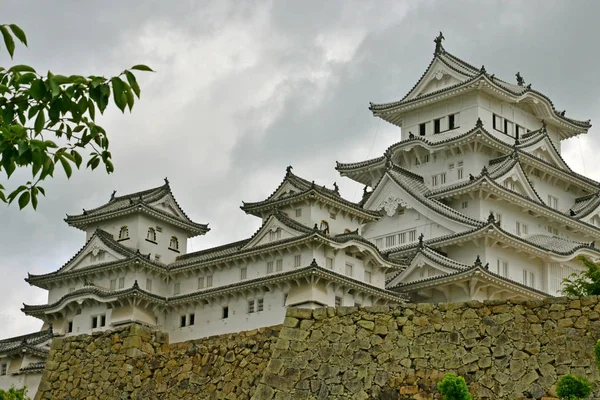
{"x": 571, "y": 387}
{"x": 454, "y": 387}
{"x": 597, "y": 353}
{"x": 14, "y": 394}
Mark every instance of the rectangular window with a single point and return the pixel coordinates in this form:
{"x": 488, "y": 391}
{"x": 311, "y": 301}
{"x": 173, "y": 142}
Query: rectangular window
{"x": 436, "y": 126}
{"x": 379, "y": 243}
{"x": 4, "y": 369}
{"x": 442, "y": 178}
{"x": 422, "y": 129}
{"x": 417, "y": 162}
{"x": 191, "y": 319}
{"x": 225, "y": 312}
{"x": 94, "y": 322}
{"x": 70, "y": 327}
{"x": 451, "y": 166}
{"x": 243, "y": 273}
{"x": 260, "y": 304}
{"x": 465, "y": 204}
{"x": 332, "y": 215}
{"x": 459, "y": 173}
{"x": 269, "y": 267}
{"x": 553, "y": 202}
{"x": 329, "y": 262}
{"x": 271, "y": 236}
{"x": 412, "y": 236}
{"x": 553, "y": 230}
{"x": 434, "y": 180}
{"x": 103, "y": 320}
{"x": 508, "y": 128}
{"x": 402, "y": 237}
{"x": 528, "y": 278}
{"x": 349, "y": 268}
{"x": 176, "y": 288}
{"x": 338, "y": 301}
{"x": 297, "y": 260}
{"x": 121, "y": 283}
{"x": 368, "y": 276}
{"x": 113, "y": 284}
{"x": 498, "y": 218}
{"x": 279, "y": 265}
{"x": 201, "y": 283}
{"x": 459, "y": 164}
{"x": 149, "y": 284}
{"x": 298, "y": 212}
{"x": 522, "y": 229}
{"x": 250, "y": 306}
{"x": 451, "y": 122}
{"x": 502, "y": 268}
{"x": 497, "y": 123}
{"x": 390, "y": 241}
{"x": 182, "y": 321}
{"x": 425, "y": 158}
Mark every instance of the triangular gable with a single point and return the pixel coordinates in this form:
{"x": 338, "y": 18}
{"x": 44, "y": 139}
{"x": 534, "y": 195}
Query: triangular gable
{"x": 96, "y": 251}
{"x": 591, "y": 214}
{"x": 272, "y": 225}
{"x": 168, "y": 204}
{"x": 389, "y": 195}
{"x": 516, "y": 180}
{"x": 438, "y": 76}
{"x": 421, "y": 267}
{"x": 545, "y": 150}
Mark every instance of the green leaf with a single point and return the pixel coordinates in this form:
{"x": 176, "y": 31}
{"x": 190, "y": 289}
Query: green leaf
{"x": 23, "y": 147}
{"x": 92, "y": 109}
{"x": 133, "y": 83}
{"x": 37, "y": 89}
{"x": 24, "y": 199}
{"x": 9, "y": 168}
{"x": 42, "y": 190}
{"x": 77, "y": 157}
{"x": 18, "y": 32}
{"x": 118, "y": 95}
{"x": 8, "y": 40}
{"x": 4, "y": 89}
{"x": 130, "y": 98}
{"x": 40, "y": 121}
{"x": 34, "y": 200}
{"x": 66, "y": 166}
{"x": 61, "y": 79}
{"x": 54, "y": 88}
{"x": 142, "y": 67}
{"x": 21, "y": 68}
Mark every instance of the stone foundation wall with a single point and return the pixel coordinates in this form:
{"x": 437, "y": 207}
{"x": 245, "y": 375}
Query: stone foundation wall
{"x": 139, "y": 363}
{"x": 504, "y": 350}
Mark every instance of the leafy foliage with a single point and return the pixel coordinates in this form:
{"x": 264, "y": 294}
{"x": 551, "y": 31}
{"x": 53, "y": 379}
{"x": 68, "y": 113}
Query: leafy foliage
{"x": 14, "y": 394}
{"x": 571, "y": 387}
{"x": 597, "y": 354}
{"x": 49, "y": 119}
{"x": 584, "y": 283}
{"x": 454, "y": 387}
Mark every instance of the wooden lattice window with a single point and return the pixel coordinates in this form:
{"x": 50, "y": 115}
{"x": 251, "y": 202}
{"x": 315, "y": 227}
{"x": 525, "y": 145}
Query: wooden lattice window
{"x": 124, "y": 233}
{"x": 151, "y": 236}
{"x": 174, "y": 243}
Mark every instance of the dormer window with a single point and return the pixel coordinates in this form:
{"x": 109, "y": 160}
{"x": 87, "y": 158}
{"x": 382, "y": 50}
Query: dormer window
{"x": 151, "y": 235}
{"x": 124, "y": 233}
{"x": 325, "y": 227}
{"x": 174, "y": 244}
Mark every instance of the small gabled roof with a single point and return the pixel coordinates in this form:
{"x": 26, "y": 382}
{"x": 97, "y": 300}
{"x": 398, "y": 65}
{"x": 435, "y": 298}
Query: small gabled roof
{"x": 303, "y": 189}
{"x": 478, "y": 270}
{"x": 140, "y": 201}
{"x": 32, "y": 343}
{"x": 106, "y": 239}
{"x": 472, "y": 78}
{"x": 585, "y": 205}
{"x": 277, "y": 218}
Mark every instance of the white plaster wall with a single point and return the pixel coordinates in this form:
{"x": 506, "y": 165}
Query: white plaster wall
{"x": 31, "y": 381}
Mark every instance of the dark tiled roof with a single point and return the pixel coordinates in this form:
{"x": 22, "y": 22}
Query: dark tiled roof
{"x": 120, "y": 204}
{"x": 585, "y": 205}
{"x": 31, "y": 341}
{"x": 33, "y": 368}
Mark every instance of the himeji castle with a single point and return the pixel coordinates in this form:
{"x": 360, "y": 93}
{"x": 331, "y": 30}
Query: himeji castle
{"x": 474, "y": 202}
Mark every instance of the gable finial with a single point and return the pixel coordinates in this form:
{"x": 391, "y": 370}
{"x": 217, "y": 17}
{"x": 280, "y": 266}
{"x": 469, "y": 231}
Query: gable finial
{"x": 388, "y": 161}
{"x": 479, "y": 123}
{"x": 491, "y": 218}
{"x": 477, "y": 261}
{"x": 528, "y": 87}
{"x": 288, "y": 169}
{"x": 593, "y": 244}
{"x": 487, "y": 266}
{"x": 336, "y": 188}
{"x": 410, "y": 135}
{"x": 471, "y": 177}
{"x": 571, "y": 213}
{"x": 84, "y": 212}
{"x": 421, "y": 237}
{"x": 438, "y": 44}
{"x": 520, "y": 80}
{"x": 135, "y": 284}
{"x": 544, "y": 126}
{"x": 482, "y": 69}
{"x": 112, "y": 196}
{"x": 365, "y": 190}
{"x": 562, "y": 113}
{"x": 484, "y": 170}
{"x": 166, "y": 181}
{"x": 492, "y": 76}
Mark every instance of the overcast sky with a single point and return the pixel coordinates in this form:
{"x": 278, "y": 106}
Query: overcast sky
{"x": 244, "y": 89}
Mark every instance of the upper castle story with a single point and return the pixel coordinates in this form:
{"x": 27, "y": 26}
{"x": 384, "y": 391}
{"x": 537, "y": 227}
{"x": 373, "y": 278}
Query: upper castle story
{"x": 452, "y": 95}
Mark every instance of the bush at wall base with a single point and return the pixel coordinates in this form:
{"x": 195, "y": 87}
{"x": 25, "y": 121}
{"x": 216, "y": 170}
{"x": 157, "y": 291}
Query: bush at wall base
{"x": 454, "y": 387}
{"x": 14, "y": 394}
{"x": 571, "y": 387}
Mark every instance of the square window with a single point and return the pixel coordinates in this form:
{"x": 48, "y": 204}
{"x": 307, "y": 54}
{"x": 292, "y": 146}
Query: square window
{"x": 329, "y": 262}
{"x": 250, "y": 306}
{"x": 243, "y": 273}
{"x": 260, "y": 303}
{"x": 297, "y": 260}
{"x": 349, "y": 269}
{"x": 209, "y": 281}
{"x": 279, "y": 265}
{"x": 176, "y": 288}
{"x": 451, "y": 166}
{"x": 332, "y": 215}
{"x": 390, "y": 241}
{"x": 465, "y": 204}
{"x": 121, "y": 283}
{"x": 225, "y": 312}
{"x": 191, "y": 319}
{"x": 201, "y": 283}
{"x": 182, "y": 321}
{"x": 269, "y": 267}
{"x": 298, "y": 212}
